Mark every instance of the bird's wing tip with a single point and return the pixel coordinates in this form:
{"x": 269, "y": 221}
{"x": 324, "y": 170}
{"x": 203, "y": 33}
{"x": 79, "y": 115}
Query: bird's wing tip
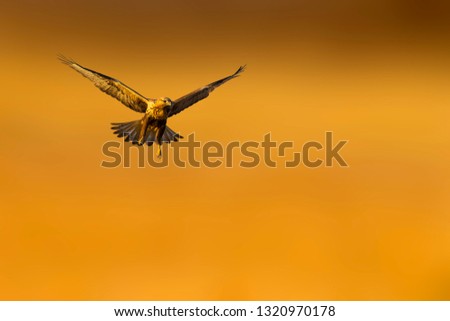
{"x": 65, "y": 60}
{"x": 241, "y": 69}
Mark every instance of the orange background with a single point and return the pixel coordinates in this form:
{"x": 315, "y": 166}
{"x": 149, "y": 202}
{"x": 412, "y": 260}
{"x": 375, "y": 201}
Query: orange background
{"x": 374, "y": 72}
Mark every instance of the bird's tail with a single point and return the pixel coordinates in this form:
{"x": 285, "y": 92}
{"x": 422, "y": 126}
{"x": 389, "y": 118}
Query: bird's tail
{"x": 170, "y": 136}
{"x": 131, "y": 130}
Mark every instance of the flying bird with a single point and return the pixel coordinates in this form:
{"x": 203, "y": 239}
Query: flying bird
{"x": 152, "y": 127}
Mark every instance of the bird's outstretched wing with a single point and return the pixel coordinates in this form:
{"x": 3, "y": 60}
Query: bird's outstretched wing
{"x": 110, "y": 86}
{"x": 188, "y": 100}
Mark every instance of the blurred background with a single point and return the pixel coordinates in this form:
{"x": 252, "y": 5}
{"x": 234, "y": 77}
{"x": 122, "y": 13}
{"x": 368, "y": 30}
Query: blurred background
{"x": 374, "y": 72}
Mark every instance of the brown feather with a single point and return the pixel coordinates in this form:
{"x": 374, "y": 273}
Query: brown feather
{"x": 113, "y": 87}
{"x": 188, "y": 100}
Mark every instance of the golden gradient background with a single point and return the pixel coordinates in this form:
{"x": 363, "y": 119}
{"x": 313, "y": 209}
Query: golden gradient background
{"x": 374, "y": 72}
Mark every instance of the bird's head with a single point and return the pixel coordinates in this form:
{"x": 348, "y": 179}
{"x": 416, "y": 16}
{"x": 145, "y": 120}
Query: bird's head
{"x": 164, "y": 103}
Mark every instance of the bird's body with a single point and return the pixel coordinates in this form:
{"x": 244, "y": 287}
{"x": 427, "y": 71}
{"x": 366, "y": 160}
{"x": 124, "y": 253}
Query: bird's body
{"x": 155, "y": 119}
{"x": 152, "y": 127}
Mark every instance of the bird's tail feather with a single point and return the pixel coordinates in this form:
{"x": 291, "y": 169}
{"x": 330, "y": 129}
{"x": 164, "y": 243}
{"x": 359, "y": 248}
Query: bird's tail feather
{"x": 131, "y": 130}
{"x": 170, "y": 136}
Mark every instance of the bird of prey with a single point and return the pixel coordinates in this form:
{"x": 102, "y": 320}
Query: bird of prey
{"x": 152, "y": 127}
